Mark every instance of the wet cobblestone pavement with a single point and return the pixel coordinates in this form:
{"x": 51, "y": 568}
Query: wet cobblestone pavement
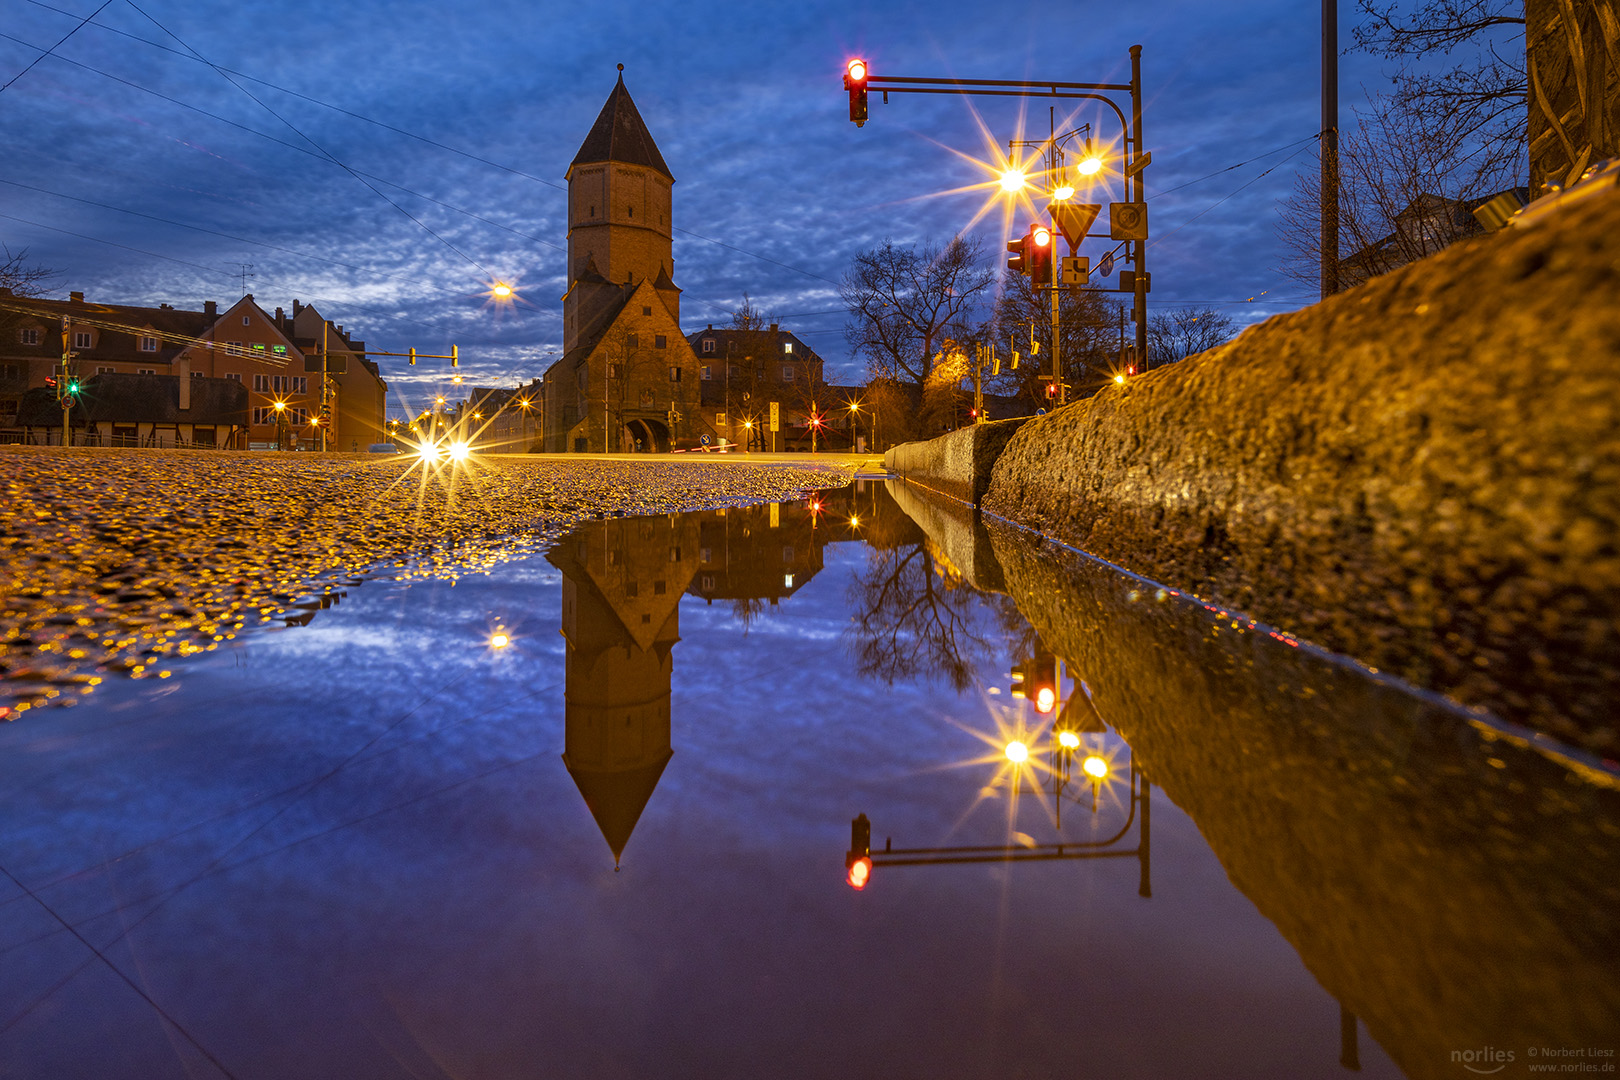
{"x": 118, "y": 561}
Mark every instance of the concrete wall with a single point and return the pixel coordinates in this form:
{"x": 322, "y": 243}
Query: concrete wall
{"x": 1452, "y": 890}
{"x": 1422, "y": 472}
{"x": 957, "y": 464}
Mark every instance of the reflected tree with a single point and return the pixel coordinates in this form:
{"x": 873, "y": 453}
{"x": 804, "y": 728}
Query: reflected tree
{"x": 915, "y": 616}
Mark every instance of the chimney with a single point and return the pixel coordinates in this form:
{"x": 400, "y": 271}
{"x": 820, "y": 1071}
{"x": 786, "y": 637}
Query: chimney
{"x": 76, "y": 297}
{"x": 182, "y": 368}
{"x": 281, "y": 316}
{"x": 773, "y": 327}
{"x": 297, "y": 307}
{"x": 210, "y": 309}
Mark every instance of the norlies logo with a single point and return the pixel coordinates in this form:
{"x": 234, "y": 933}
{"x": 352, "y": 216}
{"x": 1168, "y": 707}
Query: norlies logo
{"x": 1484, "y": 1061}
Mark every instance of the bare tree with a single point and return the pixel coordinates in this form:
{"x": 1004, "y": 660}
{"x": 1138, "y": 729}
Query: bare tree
{"x": 1481, "y": 91}
{"x": 1023, "y": 318}
{"x": 1186, "y": 331}
{"x": 1408, "y": 184}
{"x": 22, "y": 279}
{"x": 905, "y": 302}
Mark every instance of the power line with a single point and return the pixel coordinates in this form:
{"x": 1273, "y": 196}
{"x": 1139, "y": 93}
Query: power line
{"x": 1218, "y": 202}
{"x": 370, "y": 120}
{"x": 53, "y": 48}
{"x": 423, "y": 226}
{"x": 116, "y": 970}
{"x": 271, "y": 138}
{"x": 111, "y": 243}
{"x": 1239, "y": 165}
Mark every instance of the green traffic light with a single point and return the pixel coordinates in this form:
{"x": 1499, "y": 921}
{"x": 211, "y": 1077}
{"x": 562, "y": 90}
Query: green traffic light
{"x": 73, "y": 387}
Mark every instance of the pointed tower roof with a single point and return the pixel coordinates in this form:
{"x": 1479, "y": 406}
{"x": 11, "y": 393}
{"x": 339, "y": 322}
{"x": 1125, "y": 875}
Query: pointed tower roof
{"x": 620, "y": 135}
{"x": 617, "y": 797}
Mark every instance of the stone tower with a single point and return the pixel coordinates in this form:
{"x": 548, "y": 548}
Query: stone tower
{"x": 619, "y": 231}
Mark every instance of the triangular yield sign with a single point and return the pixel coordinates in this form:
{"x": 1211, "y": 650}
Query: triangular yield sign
{"x": 1073, "y": 220}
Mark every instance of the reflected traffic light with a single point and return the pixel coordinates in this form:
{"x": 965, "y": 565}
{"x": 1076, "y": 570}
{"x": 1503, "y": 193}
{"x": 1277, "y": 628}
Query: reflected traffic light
{"x": 858, "y": 860}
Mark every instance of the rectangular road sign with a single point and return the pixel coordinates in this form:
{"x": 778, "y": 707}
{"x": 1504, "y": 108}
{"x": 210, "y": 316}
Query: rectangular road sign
{"x": 1076, "y": 269}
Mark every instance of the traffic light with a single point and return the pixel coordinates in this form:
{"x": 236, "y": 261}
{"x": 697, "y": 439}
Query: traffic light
{"x": 73, "y": 386}
{"x": 1038, "y": 254}
{"x": 855, "y": 83}
{"x": 1042, "y": 682}
{"x": 1018, "y": 249}
{"x": 858, "y": 862}
{"x": 1052, "y": 390}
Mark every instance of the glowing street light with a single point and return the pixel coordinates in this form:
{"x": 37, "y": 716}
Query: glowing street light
{"x": 501, "y": 291}
{"x": 1013, "y": 180}
{"x": 1017, "y": 752}
{"x": 1095, "y": 767}
{"x": 1069, "y": 740}
{"x": 499, "y": 640}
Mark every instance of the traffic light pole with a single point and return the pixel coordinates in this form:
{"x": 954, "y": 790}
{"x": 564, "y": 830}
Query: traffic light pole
{"x": 62, "y": 396}
{"x": 858, "y": 80}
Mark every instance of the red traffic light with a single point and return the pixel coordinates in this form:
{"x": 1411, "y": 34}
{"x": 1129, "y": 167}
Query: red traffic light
{"x": 1038, "y": 249}
{"x": 860, "y": 872}
{"x": 1043, "y": 683}
{"x": 855, "y": 82}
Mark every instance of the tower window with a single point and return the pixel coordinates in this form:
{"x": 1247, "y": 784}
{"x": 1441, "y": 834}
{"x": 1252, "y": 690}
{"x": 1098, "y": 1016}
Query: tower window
{"x": 630, "y": 211}
{"x": 660, "y": 341}
{"x": 593, "y": 211}
{"x": 674, "y": 374}
{"x": 646, "y": 310}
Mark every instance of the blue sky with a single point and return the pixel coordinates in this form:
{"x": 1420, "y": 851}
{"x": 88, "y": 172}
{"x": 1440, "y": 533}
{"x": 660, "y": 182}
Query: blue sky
{"x": 745, "y": 102}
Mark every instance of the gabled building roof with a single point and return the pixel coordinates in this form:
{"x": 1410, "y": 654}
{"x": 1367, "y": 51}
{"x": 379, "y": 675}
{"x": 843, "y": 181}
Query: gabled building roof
{"x": 620, "y": 135}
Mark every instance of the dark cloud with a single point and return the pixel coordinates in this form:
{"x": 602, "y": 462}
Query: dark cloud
{"x": 744, "y": 100}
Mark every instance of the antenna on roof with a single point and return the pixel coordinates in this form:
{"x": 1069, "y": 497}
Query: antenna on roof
{"x": 247, "y": 272}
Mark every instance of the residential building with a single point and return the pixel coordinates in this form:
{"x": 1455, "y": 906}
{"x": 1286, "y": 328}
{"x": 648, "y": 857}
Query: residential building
{"x": 1429, "y": 223}
{"x": 274, "y": 358}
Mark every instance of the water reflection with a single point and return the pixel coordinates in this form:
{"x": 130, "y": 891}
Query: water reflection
{"x": 1453, "y": 884}
{"x": 623, "y": 580}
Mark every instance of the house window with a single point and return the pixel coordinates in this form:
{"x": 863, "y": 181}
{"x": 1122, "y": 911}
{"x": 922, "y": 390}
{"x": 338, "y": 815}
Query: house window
{"x": 81, "y": 340}
{"x": 674, "y": 374}
{"x": 787, "y": 347}
{"x": 705, "y": 373}
{"x": 145, "y": 371}
{"x": 148, "y": 343}
{"x": 246, "y": 321}
{"x": 660, "y": 341}
{"x": 104, "y": 371}
{"x": 787, "y": 553}
{"x": 261, "y": 384}
{"x": 613, "y": 371}
{"x": 257, "y": 347}
{"x": 706, "y": 554}
{"x": 720, "y": 420}
{"x": 279, "y": 350}
{"x": 234, "y": 348}
{"x": 234, "y": 376}
{"x": 30, "y": 337}
{"x": 787, "y": 372}
{"x": 646, "y": 399}
{"x": 660, "y": 588}
{"x": 708, "y": 583}
{"x": 646, "y": 310}
{"x": 632, "y": 588}
{"x": 196, "y": 374}
{"x": 708, "y": 345}
{"x": 632, "y": 340}
{"x": 675, "y": 554}
{"x": 10, "y": 371}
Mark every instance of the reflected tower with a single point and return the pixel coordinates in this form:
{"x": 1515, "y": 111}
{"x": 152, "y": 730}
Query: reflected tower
{"x": 622, "y": 584}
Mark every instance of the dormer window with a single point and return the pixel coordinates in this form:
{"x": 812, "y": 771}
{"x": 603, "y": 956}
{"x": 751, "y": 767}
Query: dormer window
{"x": 787, "y": 347}
{"x": 30, "y": 337}
{"x": 81, "y": 339}
{"x": 708, "y": 345}
{"x": 148, "y": 343}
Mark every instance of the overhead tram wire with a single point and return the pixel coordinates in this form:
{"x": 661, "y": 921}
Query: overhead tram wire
{"x": 53, "y": 48}
{"x": 282, "y": 142}
{"x": 1239, "y": 165}
{"x": 114, "y": 243}
{"x": 293, "y": 127}
{"x": 370, "y": 120}
{"x": 1234, "y": 192}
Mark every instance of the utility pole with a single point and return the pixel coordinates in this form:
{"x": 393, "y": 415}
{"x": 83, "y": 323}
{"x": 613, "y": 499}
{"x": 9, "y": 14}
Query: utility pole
{"x": 1330, "y": 148}
{"x": 62, "y": 396}
{"x": 326, "y": 415}
{"x": 1133, "y": 172}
